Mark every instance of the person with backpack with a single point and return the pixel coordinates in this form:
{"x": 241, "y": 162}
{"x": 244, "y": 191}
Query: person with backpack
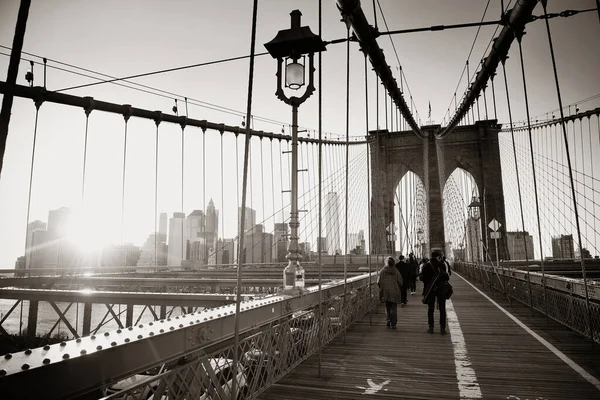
{"x": 389, "y": 283}
{"x": 435, "y": 277}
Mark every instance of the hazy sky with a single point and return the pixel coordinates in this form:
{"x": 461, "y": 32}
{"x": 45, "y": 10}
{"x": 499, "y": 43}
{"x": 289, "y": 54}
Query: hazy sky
{"x": 122, "y": 38}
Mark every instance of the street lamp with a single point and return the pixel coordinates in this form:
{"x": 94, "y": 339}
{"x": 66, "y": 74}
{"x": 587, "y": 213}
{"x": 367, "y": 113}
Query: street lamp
{"x": 420, "y": 239}
{"x": 475, "y": 213}
{"x": 292, "y": 45}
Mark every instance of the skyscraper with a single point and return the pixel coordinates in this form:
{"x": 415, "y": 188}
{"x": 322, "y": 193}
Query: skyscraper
{"x": 36, "y": 236}
{"x": 332, "y": 222}
{"x": 516, "y": 247}
{"x": 212, "y": 222}
{"x": 162, "y": 225}
{"x": 280, "y": 241}
{"x": 59, "y": 253}
{"x": 177, "y": 240}
{"x": 562, "y": 246}
{"x": 249, "y": 218}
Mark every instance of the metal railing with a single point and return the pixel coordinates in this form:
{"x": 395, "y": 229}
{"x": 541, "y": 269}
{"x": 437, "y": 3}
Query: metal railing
{"x": 559, "y": 298}
{"x": 192, "y": 355}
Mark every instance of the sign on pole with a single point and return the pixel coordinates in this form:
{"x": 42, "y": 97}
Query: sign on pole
{"x": 494, "y": 225}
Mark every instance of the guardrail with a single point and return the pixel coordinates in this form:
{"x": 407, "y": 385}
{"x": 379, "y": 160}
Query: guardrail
{"x": 559, "y": 298}
{"x": 192, "y": 352}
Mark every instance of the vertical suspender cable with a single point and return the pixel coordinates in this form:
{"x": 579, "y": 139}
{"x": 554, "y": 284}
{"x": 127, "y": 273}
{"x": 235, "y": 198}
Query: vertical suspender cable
{"x": 575, "y": 208}
{"x": 346, "y": 174}
{"x": 205, "y": 250}
{"x": 244, "y": 186}
{"x": 157, "y": 122}
{"x": 320, "y": 160}
{"x": 485, "y": 101}
{"x": 494, "y": 95}
{"x": 518, "y": 183}
{"x": 368, "y": 191}
{"x": 37, "y": 111}
{"x": 262, "y": 190}
{"x": 535, "y": 190}
{"x": 126, "y": 117}
{"x": 183, "y": 242}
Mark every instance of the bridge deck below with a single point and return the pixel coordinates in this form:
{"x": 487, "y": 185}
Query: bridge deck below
{"x": 486, "y": 355}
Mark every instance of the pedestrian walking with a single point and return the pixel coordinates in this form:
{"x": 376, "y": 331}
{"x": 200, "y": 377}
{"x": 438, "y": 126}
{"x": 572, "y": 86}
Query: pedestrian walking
{"x": 414, "y": 272}
{"x": 434, "y": 275}
{"x": 404, "y": 269}
{"x": 389, "y": 283}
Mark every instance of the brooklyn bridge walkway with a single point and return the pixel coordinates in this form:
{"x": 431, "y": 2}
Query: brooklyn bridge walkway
{"x": 493, "y": 350}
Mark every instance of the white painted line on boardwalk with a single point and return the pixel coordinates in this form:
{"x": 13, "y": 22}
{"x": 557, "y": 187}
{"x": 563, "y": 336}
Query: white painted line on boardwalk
{"x": 588, "y": 377}
{"x": 465, "y": 374}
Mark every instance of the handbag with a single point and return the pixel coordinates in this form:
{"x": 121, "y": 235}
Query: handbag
{"x": 444, "y": 290}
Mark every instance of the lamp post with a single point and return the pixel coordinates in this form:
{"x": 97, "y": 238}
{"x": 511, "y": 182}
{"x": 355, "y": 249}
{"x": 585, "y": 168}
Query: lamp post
{"x": 420, "y": 239}
{"x": 475, "y": 214}
{"x": 292, "y": 45}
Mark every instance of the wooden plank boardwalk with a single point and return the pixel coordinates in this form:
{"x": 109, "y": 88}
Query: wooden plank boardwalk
{"x": 485, "y": 355}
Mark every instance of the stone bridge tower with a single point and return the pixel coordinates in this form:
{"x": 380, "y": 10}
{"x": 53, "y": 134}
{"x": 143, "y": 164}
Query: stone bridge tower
{"x": 473, "y": 148}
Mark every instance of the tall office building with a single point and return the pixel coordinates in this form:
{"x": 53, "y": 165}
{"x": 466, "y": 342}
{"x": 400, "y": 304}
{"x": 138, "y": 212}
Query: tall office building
{"x": 212, "y": 222}
{"x": 258, "y": 246}
{"x": 162, "y": 224}
{"x": 322, "y": 245}
{"x": 516, "y": 245}
{"x": 332, "y": 223}
{"x": 249, "y": 219}
{"x": 562, "y": 247}
{"x": 154, "y": 251}
{"x": 195, "y": 224}
{"x": 59, "y": 252}
{"x": 36, "y": 237}
{"x": 281, "y": 241}
{"x": 177, "y": 240}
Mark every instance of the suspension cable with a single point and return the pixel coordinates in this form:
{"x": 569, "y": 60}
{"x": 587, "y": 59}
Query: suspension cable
{"x": 368, "y": 189}
{"x": 346, "y": 176}
{"x": 126, "y": 118}
{"x": 244, "y": 187}
{"x": 518, "y": 183}
{"x": 566, "y": 143}
{"x": 157, "y": 122}
{"x": 535, "y": 190}
{"x": 320, "y": 193}
{"x": 27, "y": 249}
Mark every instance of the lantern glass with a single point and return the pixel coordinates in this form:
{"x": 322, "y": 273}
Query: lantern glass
{"x": 294, "y": 75}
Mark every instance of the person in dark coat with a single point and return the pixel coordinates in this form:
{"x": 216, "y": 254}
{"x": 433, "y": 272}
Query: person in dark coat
{"x": 389, "y": 284}
{"x": 404, "y": 270}
{"x": 414, "y": 272}
{"x": 435, "y": 268}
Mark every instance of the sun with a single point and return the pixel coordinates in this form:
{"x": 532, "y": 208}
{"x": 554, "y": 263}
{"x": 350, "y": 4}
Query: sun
{"x": 87, "y": 232}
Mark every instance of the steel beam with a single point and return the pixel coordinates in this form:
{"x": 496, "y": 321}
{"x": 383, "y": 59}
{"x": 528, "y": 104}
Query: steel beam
{"x": 73, "y": 368}
{"x": 132, "y": 298}
{"x": 367, "y": 37}
{"x": 41, "y": 94}
{"x": 514, "y": 23}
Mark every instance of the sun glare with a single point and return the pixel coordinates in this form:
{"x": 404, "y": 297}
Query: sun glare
{"x": 86, "y": 231}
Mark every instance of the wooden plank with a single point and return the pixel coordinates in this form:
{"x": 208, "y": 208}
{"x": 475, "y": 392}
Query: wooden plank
{"x": 507, "y": 360}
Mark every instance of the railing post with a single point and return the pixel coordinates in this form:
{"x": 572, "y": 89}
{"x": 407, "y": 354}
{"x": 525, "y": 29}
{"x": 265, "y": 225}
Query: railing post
{"x": 32, "y": 319}
{"x": 87, "y": 319}
{"x": 163, "y": 312}
{"x": 129, "y": 315}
